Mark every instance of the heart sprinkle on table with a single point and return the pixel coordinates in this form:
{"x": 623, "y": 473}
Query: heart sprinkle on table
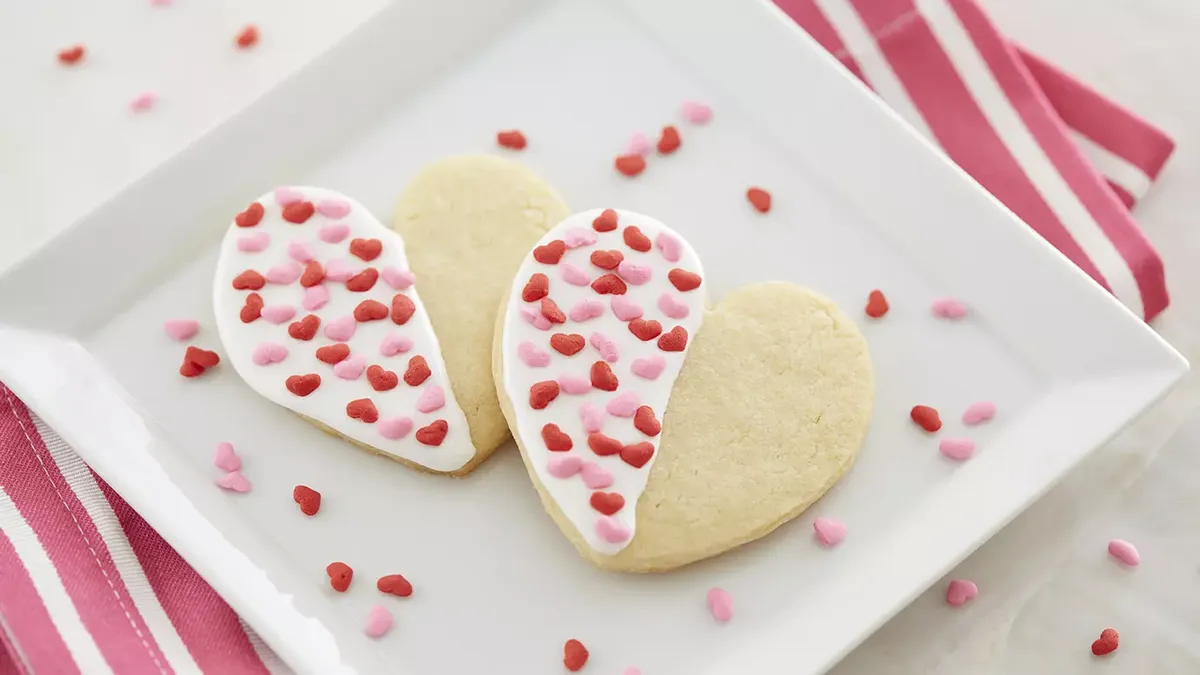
{"x": 394, "y": 584}
{"x": 234, "y": 481}
{"x": 247, "y": 37}
{"x": 696, "y": 113}
{"x": 227, "y": 458}
{"x": 720, "y": 604}
{"x": 181, "y": 329}
{"x": 926, "y": 417}
{"x": 638, "y": 145}
{"x": 979, "y": 412}
{"x": 1108, "y": 642}
{"x": 877, "y": 304}
{"x": 948, "y": 308}
{"x": 511, "y": 139}
{"x": 308, "y": 499}
{"x": 196, "y": 361}
{"x": 340, "y": 576}
{"x": 143, "y": 101}
{"x": 71, "y": 55}
{"x": 379, "y": 622}
{"x": 829, "y": 531}
{"x": 630, "y": 165}
{"x": 1125, "y": 552}
{"x": 759, "y": 198}
{"x": 960, "y": 592}
{"x": 669, "y": 141}
{"x": 958, "y": 449}
{"x": 575, "y": 655}
{"x": 632, "y": 670}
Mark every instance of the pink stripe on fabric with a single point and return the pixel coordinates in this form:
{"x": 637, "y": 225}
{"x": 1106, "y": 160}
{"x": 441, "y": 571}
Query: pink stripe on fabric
{"x": 1109, "y": 125}
{"x": 1126, "y": 198}
{"x": 809, "y": 16}
{"x": 74, "y": 546}
{"x": 1051, "y": 134}
{"x": 207, "y": 625}
{"x": 960, "y": 127}
{"x": 27, "y": 628}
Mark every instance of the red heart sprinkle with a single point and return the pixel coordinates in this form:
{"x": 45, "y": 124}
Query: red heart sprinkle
{"x": 609, "y": 284}
{"x": 683, "y": 279}
{"x": 925, "y": 417}
{"x": 333, "y": 354}
{"x": 635, "y": 240}
{"x": 362, "y": 409}
{"x": 607, "y": 503}
{"x": 201, "y": 357}
{"x": 603, "y": 377}
{"x": 308, "y": 499}
{"x": 645, "y": 421}
{"x": 433, "y": 434}
{"x": 607, "y": 260}
{"x": 251, "y": 216}
{"x": 606, "y": 221}
{"x": 542, "y": 393}
{"x": 1108, "y": 642}
{"x": 189, "y": 369}
{"x": 402, "y": 309}
{"x": 877, "y": 304}
{"x": 363, "y": 281}
{"x": 252, "y": 309}
{"x": 556, "y": 440}
{"x": 669, "y": 141}
{"x": 603, "y": 445}
{"x": 340, "y": 575}
{"x": 71, "y": 55}
{"x": 249, "y": 280}
{"x": 551, "y": 253}
{"x": 645, "y": 329}
{"x": 367, "y": 249}
{"x": 567, "y": 345}
{"x": 370, "y": 310}
{"x": 418, "y": 371}
{"x": 760, "y": 199}
{"x": 248, "y": 37}
{"x": 630, "y": 165}
{"x": 575, "y": 655}
{"x": 551, "y": 311}
{"x": 674, "y": 341}
{"x": 298, "y": 212}
{"x": 380, "y": 379}
{"x": 394, "y": 584}
{"x": 537, "y": 288}
{"x": 638, "y": 454}
{"x": 313, "y": 274}
{"x": 303, "y": 385}
{"x": 513, "y": 140}
{"x": 305, "y": 328}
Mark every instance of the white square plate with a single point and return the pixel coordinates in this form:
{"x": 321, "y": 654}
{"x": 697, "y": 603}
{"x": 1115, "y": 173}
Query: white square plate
{"x": 860, "y": 203}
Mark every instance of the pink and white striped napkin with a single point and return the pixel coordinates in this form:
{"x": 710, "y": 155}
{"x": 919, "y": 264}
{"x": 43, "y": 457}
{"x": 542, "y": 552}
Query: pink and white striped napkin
{"x": 1067, "y": 161}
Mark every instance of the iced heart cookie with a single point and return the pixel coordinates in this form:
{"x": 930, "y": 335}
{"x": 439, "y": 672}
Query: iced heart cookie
{"x": 469, "y": 222}
{"x": 659, "y": 432}
{"x": 318, "y": 310}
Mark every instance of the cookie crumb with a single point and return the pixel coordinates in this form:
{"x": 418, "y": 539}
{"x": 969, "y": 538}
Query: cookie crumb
{"x": 308, "y": 499}
{"x": 1108, "y": 642}
{"x": 247, "y": 37}
{"x": 720, "y": 604}
{"x": 511, "y": 139}
{"x": 1124, "y": 552}
{"x": 759, "y": 198}
{"x": 575, "y": 655}
{"x": 926, "y": 417}
{"x": 960, "y": 592}
{"x": 340, "y": 576}
{"x": 877, "y": 304}
{"x": 71, "y": 55}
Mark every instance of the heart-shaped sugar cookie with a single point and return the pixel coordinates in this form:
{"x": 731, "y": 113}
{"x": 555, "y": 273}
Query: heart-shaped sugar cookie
{"x": 714, "y": 430}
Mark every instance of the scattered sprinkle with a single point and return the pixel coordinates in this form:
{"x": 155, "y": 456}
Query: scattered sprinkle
{"x": 948, "y": 308}
{"x": 248, "y": 37}
{"x": 379, "y": 622}
{"x": 669, "y": 140}
{"x": 181, "y": 329}
{"x": 234, "y": 481}
{"x": 638, "y": 145}
{"x": 1108, "y": 642}
{"x": 1125, "y": 552}
{"x": 720, "y": 604}
{"x": 696, "y": 113}
{"x": 308, "y": 499}
{"x": 340, "y": 575}
{"x": 830, "y": 532}
{"x": 394, "y": 584}
{"x": 630, "y": 165}
{"x": 632, "y": 670}
{"x": 196, "y": 361}
{"x": 143, "y": 101}
{"x": 979, "y": 412}
{"x": 160, "y": 3}
{"x": 575, "y": 655}
{"x": 759, "y": 198}
{"x": 960, "y": 592}
{"x": 511, "y": 139}
{"x": 958, "y": 449}
{"x": 227, "y": 458}
{"x": 71, "y": 55}
{"x": 926, "y": 417}
{"x": 877, "y": 304}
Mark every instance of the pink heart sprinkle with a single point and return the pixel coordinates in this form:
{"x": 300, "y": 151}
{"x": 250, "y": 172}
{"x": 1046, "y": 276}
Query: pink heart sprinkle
{"x": 1125, "y": 552}
{"x": 625, "y": 309}
{"x": 394, "y": 428}
{"x": 649, "y": 368}
{"x": 830, "y": 532}
{"x": 269, "y": 352}
{"x": 673, "y": 308}
{"x": 979, "y": 412}
{"x": 333, "y": 208}
{"x": 532, "y": 356}
{"x": 957, "y": 448}
{"x": 668, "y": 245}
{"x": 181, "y": 329}
{"x": 624, "y": 405}
{"x": 535, "y": 318}
{"x": 720, "y": 603}
{"x": 633, "y": 273}
{"x": 394, "y": 344}
{"x": 333, "y": 233}
{"x": 379, "y": 622}
{"x": 143, "y": 101}
{"x": 339, "y": 270}
{"x": 298, "y": 251}
{"x": 433, "y": 398}
{"x": 592, "y": 418}
{"x": 638, "y": 144}
{"x": 284, "y": 274}
{"x": 610, "y": 530}
{"x": 632, "y": 670}
{"x": 960, "y": 592}
{"x": 574, "y": 384}
{"x": 586, "y": 309}
{"x": 234, "y": 481}
{"x": 606, "y": 347}
{"x": 286, "y": 195}
{"x": 277, "y": 314}
{"x": 341, "y": 330}
{"x": 351, "y": 368}
{"x": 398, "y": 279}
{"x": 595, "y": 476}
{"x": 253, "y": 242}
{"x": 160, "y": 3}
{"x": 315, "y": 297}
{"x": 696, "y": 113}
{"x": 574, "y": 276}
{"x": 948, "y": 308}
{"x": 227, "y": 458}
{"x": 578, "y": 236}
{"x": 564, "y": 467}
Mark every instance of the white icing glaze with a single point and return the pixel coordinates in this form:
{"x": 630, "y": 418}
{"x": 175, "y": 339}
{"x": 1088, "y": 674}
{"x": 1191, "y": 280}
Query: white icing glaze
{"x": 581, "y": 466}
{"x": 288, "y": 242}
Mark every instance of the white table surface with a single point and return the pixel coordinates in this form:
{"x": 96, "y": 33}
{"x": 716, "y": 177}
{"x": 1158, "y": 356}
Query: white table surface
{"x": 68, "y": 141}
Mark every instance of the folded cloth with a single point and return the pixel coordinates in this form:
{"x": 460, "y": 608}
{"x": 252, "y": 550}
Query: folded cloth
{"x": 1067, "y": 161}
